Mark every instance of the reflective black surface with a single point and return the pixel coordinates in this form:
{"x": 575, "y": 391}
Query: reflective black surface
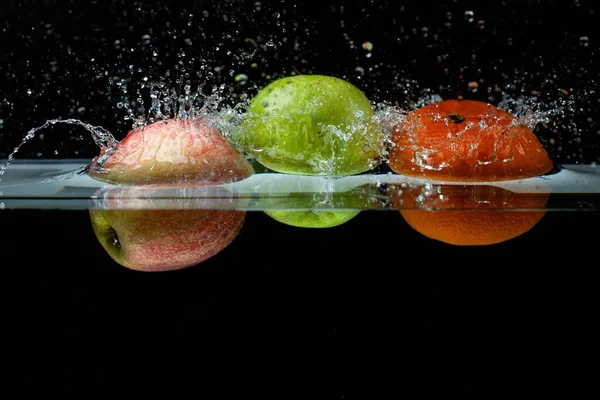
{"x": 331, "y": 310}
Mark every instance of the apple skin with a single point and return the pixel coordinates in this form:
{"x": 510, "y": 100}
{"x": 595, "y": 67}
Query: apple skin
{"x": 178, "y": 153}
{"x": 171, "y": 151}
{"x": 164, "y": 240}
{"x": 311, "y": 218}
{"x": 312, "y": 125}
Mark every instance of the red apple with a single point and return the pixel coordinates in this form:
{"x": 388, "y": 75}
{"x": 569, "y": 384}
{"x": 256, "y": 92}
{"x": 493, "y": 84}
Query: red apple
{"x": 163, "y": 240}
{"x": 174, "y": 153}
{"x": 174, "y": 150}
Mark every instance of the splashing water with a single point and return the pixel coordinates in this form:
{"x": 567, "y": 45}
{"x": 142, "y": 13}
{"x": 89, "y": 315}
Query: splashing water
{"x": 530, "y": 111}
{"x": 158, "y": 100}
{"x": 101, "y": 137}
{"x": 166, "y": 102}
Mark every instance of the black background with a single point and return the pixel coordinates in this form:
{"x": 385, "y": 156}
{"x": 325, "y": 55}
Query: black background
{"x": 75, "y": 59}
{"x": 370, "y": 309}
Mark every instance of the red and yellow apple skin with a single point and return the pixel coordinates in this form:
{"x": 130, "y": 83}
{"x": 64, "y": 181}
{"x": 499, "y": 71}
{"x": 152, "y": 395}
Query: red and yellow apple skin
{"x": 171, "y": 151}
{"x": 166, "y": 154}
{"x": 164, "y": 240}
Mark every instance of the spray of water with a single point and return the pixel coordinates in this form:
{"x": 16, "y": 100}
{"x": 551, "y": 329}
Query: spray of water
{"x": 101, "y": 137}
{"x": 216, "y": 83}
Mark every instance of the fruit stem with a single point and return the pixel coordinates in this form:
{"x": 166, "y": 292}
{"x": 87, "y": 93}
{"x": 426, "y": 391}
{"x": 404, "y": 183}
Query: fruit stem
{"x": 456, "y": 118}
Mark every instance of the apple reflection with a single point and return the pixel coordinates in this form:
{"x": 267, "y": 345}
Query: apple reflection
{"x": 164, "y": 234}
{"x": 312, "y": 218}
{"x": 325, "y": 203}
{"x": 468, "y": 215}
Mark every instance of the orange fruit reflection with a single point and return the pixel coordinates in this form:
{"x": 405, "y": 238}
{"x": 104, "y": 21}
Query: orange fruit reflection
{"x": 468, "y": 215}
{"x": 466, "y": 140}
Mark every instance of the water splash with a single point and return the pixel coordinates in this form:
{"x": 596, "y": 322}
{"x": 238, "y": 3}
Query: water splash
{"x": 531, "y": 111}
{"x": 101, "y": 137}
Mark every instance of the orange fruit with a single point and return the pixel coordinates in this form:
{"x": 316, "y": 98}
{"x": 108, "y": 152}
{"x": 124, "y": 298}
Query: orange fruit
{"x": 466, "y": 140}
{"x": 468, "y": 215}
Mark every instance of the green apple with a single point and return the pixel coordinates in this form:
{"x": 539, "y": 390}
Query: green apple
{"x": 171, "y": 151}
{"x": 164, "y": 240}
{"x": 312, "y": 125}
{"x": 312, "y": 218}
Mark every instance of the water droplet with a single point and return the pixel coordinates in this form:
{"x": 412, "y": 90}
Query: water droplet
{"x": 469, "y": 16}
{"x": 368, "y": 46}
{"x": 241, "y": 78}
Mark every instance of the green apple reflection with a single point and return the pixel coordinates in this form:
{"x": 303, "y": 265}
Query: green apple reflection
{"x": 312, "y": 218}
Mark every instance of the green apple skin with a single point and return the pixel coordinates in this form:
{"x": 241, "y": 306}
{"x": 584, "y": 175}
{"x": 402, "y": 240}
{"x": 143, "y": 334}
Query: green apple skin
{"x": 312, "y": 125}
{"x": 312, "y": 218}
{"x": 164, "y": 240}
{"x": 171, "y": 151}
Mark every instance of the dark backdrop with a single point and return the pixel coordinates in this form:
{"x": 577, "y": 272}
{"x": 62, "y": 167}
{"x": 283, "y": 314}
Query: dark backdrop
{"x": 82, "y": 59}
